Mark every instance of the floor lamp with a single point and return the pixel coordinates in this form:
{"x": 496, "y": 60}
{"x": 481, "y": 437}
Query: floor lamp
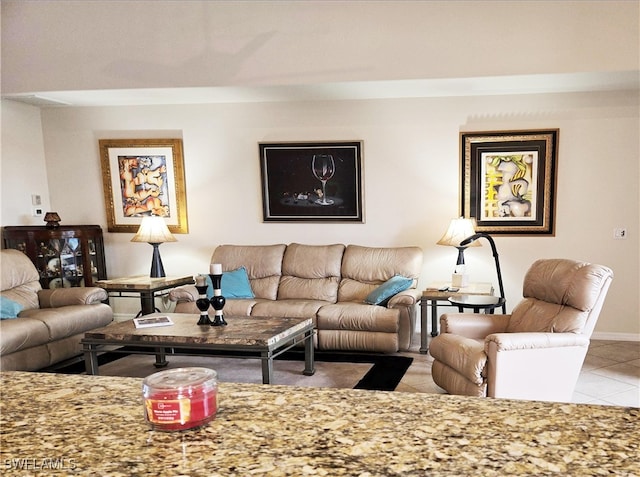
{"x": 475, "y": 237}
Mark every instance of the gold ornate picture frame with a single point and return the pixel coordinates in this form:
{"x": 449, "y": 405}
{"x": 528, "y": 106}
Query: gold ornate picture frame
{"x": 143, "y": 177}
{"x": 509, "y": 180}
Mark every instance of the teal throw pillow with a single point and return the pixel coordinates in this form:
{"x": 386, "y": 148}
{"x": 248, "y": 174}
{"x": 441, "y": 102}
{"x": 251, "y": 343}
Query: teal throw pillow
{"x": 9, "y": 308}
{"x": 235, "y": 284}
{"x": 394, "y": 285}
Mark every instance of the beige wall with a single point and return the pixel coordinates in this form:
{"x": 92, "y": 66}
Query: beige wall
{"x": 411, "y": 176}
{"x": 23, "y": 169}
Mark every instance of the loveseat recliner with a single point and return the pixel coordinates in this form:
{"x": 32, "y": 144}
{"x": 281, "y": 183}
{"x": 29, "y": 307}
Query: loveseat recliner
{"x": 328, "y": 283}
{"x": 45, "y": 326}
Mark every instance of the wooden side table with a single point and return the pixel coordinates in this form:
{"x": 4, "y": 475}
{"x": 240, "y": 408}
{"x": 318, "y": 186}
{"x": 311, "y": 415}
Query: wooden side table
{"x": 144, "y": 286}
{"x": 433, "y": 295}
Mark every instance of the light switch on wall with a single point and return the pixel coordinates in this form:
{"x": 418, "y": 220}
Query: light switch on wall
{"x": 620, "y": 233}
{"x": 36, "y": 199}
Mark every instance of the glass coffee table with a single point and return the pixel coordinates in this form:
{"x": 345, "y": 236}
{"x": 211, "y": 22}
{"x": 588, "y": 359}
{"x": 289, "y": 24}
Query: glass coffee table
{"x": 263, "y": 338}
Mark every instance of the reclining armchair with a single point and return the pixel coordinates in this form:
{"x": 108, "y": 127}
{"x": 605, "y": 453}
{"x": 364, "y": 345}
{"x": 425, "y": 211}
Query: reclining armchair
{"x": 534, "y": 353}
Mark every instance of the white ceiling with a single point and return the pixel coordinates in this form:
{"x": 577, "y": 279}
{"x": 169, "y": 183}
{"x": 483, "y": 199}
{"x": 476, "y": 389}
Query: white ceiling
{"x": 480, "y": 86}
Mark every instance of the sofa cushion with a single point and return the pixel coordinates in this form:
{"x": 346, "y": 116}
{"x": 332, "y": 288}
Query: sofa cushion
{"x": 365, "y": 268}
{"x": 358, "y": 317}
{"x": 288, "y": 308}
{"x": 70, "y": 320}
{"x": 262, "y": 262}
{"x": 311, "y": 272}
{"x": 234, "y": 284}
{"x": 381, "y": 294}
{"x": 22, "y": 333}
{"x": 9, "y": 308}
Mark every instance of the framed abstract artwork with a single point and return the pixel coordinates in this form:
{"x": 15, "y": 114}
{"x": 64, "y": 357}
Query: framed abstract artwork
{"x": 143, "y": 177}
{"x": 509, "y": 180}
{"x": 312, "y": 181}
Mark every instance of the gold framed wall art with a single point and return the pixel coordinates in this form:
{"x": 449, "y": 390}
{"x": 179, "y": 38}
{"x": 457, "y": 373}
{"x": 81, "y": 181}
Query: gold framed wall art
{"x": 143, "y": 177}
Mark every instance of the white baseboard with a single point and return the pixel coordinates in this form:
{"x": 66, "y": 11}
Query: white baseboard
{"x": 123, "y": 317}
{"x": 602, "y": 335}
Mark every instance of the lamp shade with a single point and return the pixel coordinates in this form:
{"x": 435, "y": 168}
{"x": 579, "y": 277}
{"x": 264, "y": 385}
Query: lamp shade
{"x": 52, "y": 219}
{"x": 459, "y": 229}
{"x": 153, "y": 229}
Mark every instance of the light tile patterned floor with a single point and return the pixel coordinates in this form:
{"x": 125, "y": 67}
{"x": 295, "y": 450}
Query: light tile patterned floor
{"x": 610, "y": 374}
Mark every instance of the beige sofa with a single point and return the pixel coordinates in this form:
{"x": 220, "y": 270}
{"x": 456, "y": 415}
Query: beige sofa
{"x": 328, "y": 283}
{"x": 51, "y": 323}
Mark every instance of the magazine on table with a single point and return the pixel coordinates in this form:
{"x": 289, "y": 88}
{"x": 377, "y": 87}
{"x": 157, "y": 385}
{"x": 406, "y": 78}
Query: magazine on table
{"x": 152, "y": 321}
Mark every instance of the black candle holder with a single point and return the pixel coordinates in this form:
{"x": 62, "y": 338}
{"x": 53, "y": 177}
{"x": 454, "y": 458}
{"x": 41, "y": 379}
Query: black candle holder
{"x": 203, "y": 305}
{"x": 217, "y": 301}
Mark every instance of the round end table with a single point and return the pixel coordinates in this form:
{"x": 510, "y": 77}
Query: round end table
{"x": 477, "y": 302}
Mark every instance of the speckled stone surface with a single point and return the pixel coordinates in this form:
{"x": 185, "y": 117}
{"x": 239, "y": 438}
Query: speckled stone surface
{"x": 94, "y": 425}
{"x": 243, "y": 331}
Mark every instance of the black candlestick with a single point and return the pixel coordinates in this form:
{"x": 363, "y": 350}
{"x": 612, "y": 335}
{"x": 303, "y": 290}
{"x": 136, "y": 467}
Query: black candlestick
{"x": 217, "y": 301}
{"x": 203, "y": 305}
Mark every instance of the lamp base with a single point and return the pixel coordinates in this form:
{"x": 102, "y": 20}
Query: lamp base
{"x": 459, "y": 280}
{"x": 157, "y": 270}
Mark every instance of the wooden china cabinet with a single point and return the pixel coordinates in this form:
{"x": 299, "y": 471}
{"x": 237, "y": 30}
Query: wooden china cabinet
{"x": 65, "y": 256}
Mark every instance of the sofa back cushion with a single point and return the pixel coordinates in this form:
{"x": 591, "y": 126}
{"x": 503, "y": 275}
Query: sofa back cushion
{"x": 365, "y": 268}
{"x": 560, "y": 296}
{"x": 311, "y": 272}
{"x": 19, "y": 279}
{"x": 262, "y": 262}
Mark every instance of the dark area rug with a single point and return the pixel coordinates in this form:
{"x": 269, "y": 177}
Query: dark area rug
{"x": 385, "y": 374}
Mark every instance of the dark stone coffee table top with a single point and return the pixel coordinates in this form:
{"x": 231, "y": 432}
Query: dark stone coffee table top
{"x": 243, "y": 331}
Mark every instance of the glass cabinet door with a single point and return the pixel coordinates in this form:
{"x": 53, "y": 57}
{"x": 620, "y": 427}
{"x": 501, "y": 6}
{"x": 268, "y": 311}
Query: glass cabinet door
{"x": 64, "y": 257}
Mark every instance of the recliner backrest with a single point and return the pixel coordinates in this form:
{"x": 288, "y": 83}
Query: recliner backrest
{"x": 19, "y": 279}
{"x": 263, "y": 264}
{"x": 311, "y": 272}
{"x": 562, "y": 296}
{"x": 365, "y": 268}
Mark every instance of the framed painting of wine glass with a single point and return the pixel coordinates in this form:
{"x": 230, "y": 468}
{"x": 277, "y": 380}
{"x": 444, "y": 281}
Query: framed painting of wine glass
{"x": 312, "y": 181}
{"x": 509, "y": 180}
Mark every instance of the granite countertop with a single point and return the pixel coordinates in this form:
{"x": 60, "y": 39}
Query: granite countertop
{"x": 55, "y": 424}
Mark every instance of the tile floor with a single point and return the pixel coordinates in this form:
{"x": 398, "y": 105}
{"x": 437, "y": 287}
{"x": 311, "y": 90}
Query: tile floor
{"x": 610, "y": 374}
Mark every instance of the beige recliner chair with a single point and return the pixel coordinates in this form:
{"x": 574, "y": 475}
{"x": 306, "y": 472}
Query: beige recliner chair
{"x": 534, "y": 353}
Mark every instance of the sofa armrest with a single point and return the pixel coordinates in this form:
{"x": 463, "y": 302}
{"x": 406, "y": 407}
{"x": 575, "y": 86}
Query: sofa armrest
{"x": 540, "y": 366}
{"x": 473, "y": 325}
{"x": 464, "y": 355}
{"x": 185, "y": 293}
{"x": 57, "y": 297}
{"x": 405, "y": 298}
{"x": 521, "y": 341}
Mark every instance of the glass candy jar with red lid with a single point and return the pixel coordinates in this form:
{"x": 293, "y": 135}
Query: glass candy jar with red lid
{"x": 180, "y": 399}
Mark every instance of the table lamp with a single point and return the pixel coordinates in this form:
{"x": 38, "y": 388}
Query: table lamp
{"x": 52, "y": 219}
{"x": 154, "y": 231}
{"x": 472, "y": 239}
{"x": 458, "y": 230}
